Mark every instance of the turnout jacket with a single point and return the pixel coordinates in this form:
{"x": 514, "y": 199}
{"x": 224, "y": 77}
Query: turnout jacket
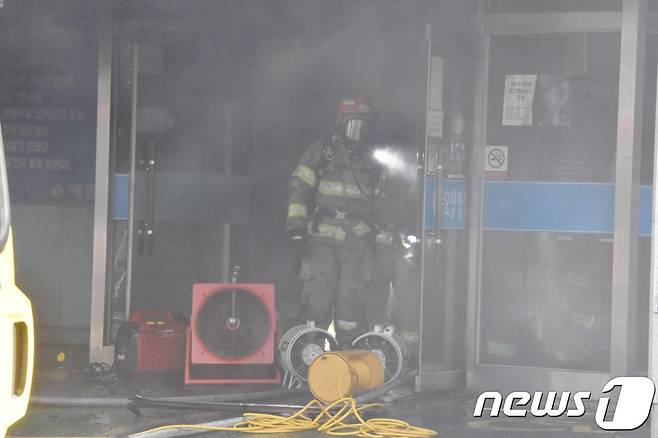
{"x": 332, "y": 192}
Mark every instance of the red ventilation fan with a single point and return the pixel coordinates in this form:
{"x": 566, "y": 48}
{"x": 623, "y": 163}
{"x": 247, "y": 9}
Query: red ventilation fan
{"x": 231, "y": 334}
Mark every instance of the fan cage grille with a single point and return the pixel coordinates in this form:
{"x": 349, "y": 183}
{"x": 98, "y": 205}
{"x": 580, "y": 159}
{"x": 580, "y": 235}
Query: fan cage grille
{"x": 238, "y": 340}
{"x": 390, "y": 352}
{"x": 298, "y": 363}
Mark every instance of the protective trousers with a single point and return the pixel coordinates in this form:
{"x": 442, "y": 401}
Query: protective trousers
{"x": 336, "y": 276}
{"x": 391, "y": 271}
{"x": 406, "y": 300}
{"x": 379, "y": 291}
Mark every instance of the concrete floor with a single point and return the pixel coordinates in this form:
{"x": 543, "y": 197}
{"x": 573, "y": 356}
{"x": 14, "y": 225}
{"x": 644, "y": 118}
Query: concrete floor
{"x": 448, "y": 412}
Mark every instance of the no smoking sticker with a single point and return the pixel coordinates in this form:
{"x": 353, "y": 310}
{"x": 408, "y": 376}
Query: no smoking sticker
{"x": 496, "y": 159}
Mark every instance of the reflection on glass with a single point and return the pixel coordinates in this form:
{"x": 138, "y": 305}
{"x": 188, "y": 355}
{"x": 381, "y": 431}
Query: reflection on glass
{"x": 546, "y": 300}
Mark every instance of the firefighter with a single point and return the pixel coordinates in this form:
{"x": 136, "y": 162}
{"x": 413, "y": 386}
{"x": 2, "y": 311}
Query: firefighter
{"x": 330, "y": 222}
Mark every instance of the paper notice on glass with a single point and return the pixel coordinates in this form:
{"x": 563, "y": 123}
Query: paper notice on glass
{"x": 517, "y": 103}
{"x": 435, "y": 121}
{"x": 436, "y": 83}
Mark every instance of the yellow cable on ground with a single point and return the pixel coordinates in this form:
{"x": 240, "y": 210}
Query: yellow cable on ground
{"x": 335, "y": 423}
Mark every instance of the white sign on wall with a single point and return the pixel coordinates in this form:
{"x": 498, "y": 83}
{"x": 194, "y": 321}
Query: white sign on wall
{"x": 496, "y": 162}
{"x": 435, "y": 114}
{"x": 518, "y": 100}
{"x": 436, "y": 83}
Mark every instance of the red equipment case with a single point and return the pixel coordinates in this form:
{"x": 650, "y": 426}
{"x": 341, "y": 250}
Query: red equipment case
{"x": 151, "y": 340}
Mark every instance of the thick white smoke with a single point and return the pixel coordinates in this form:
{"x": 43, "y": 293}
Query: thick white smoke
{"x": 396, "y": 162}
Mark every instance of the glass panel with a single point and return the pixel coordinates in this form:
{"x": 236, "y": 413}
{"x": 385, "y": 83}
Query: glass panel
{"x": 190, "y": 179}
{"x": 547, "y": 245}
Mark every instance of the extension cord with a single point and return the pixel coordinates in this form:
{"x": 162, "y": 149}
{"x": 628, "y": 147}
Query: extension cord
{"x": 331, "y": 424}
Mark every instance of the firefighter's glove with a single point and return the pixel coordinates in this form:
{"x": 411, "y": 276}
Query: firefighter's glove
{"x": 299, "y": 244}
{"x": 300, "y": 247}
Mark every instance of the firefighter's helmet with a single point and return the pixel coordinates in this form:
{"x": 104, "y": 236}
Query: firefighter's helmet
{"x": 356, "y": 120}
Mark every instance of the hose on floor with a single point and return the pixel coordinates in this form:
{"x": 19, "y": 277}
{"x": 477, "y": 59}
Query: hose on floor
{"x": 340, "y": 418}
{"x": 331, "y": 419}
{"x": 83, "y": 402}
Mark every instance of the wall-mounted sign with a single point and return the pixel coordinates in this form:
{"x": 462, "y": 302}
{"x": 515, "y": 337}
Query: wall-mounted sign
{"x": 48, "y": 115}
{"x": 519, "y": 96}
{"x": 436, "y": 83}
{"x": 496, "y": 162}
{"x": 454, "y": 204}
{"x": 435, "y": 121}
{"x": 580, "y": 208}
{"x": 435, "y": 113}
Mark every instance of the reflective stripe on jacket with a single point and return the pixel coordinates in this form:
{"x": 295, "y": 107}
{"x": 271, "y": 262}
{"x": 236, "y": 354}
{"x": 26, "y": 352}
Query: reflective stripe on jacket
{"x": 331, "y": 180}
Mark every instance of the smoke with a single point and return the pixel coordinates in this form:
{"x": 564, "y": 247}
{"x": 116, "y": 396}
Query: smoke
{"x": 287, "y": 62}
{"x": 396, "y": 162}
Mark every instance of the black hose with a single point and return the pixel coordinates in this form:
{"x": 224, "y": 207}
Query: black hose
{"x": 227, "y": 422}
{"x": 238, "y": 397}
{"x": 240, "y": 407}
{"x": 77, "y": 402}
{"x": 366, "y": 397}
{"x": 83, "y": 402}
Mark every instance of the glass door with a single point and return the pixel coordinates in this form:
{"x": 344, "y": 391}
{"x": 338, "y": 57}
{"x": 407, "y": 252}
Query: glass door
{"x": 544, "y": 296}
{"x": 442, "y": 174}
{"x": 180, "y": 194}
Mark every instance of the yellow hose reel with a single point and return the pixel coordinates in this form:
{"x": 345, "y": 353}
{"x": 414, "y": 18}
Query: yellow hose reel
{"x": 332, "y": 378}
{"x": 338, "y": 374}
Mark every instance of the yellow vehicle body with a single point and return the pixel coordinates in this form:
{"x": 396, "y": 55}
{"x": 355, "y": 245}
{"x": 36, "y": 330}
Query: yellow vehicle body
{"x": 16, "y": 343}
{"x": 16, "y": 323}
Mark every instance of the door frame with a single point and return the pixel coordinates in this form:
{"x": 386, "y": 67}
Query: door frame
{"x": 98, "y": 351}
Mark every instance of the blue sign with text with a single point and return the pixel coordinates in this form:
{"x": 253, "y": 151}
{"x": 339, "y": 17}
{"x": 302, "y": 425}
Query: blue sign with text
{"x": 537, "y": 206}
